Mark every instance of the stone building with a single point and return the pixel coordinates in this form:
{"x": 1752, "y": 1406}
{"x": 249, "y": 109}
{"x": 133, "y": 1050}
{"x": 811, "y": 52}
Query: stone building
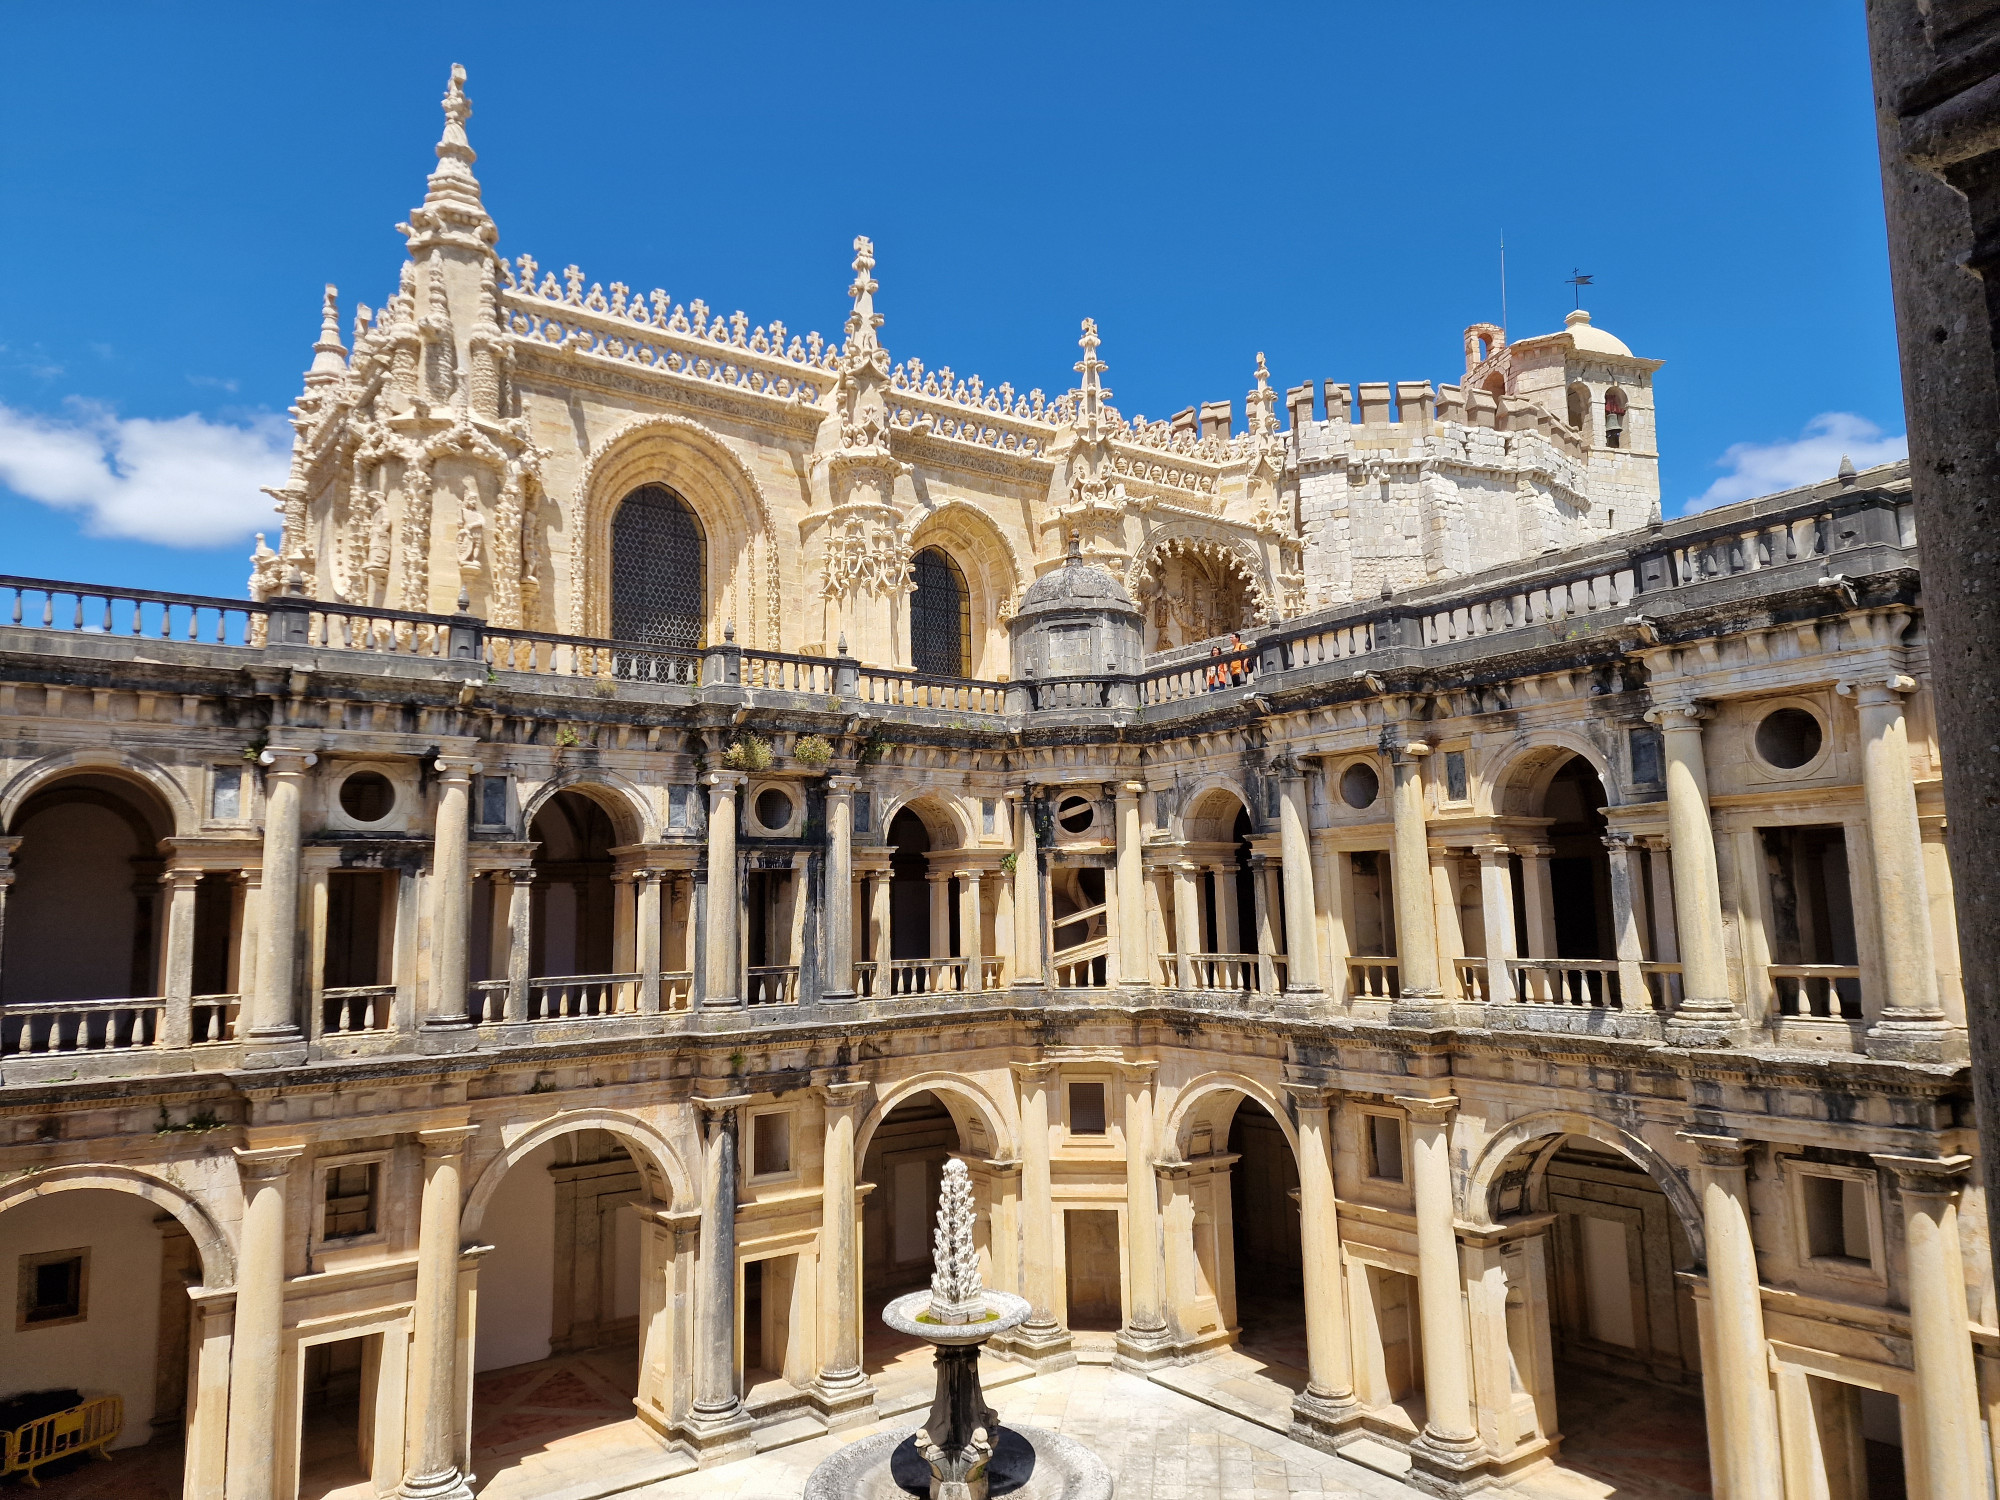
{"x": 675, "y": 784}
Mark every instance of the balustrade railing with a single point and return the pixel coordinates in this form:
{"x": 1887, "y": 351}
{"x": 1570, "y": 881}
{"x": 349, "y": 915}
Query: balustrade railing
{"x": 925, "y": 976}
{"x": 1472, "y": 978}
{"x": 1663, "y": 985}
{"x": 915, "y": 690}
{"x": 676, "y": 989}
{"x": 1197, "y": 675}
{"x": 1372, "y": 977}
{"x": 84, "y": 609}
{"x": 59, "y": 1026}
{"x": 572, "y": 997}
{"x": 355, "y": 1008}
{"x": 1826, "y": 991}
{"x": 1579, "y": 982}
{"x": 790, "y": 674}
{"x": 212, "y": 1019}
{"x": 771, "y": 984}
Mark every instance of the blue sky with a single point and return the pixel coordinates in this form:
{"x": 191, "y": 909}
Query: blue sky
{"x": 1327, "y": 183}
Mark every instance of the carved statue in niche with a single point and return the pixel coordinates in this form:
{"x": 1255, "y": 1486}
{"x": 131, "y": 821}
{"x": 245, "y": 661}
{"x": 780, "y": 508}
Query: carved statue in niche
{"x": 471, "y": 530}
{"x": 1191, "y": 595}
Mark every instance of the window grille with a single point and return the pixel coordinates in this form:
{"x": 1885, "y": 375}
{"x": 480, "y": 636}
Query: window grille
{"x": 940, "y": 616}
{"x": 657, "y": 570}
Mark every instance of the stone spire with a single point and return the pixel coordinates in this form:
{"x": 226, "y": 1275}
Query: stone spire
{"x": 863, "y": 320}
{"x": 329, "y": 354}
{"x": 1092, "y": 394}
{"x": 1263, "y": 402}
{"x": 453, "y": 213}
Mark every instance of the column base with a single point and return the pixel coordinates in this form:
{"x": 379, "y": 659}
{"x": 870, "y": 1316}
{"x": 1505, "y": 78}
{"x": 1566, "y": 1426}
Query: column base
{"x": 446, "y": 1484}
{"x": 1044, "y": 1347}
{"x": 1143, "y": 1349}
{"x": 720, "y": 1002}
{"x": 838, "y": 997}
{"x": 1448, "y": 1467}
{"x": 718, "y": 1437}
{"x": 843, "y": 1398}
{"x": 283, "y": 1047}
{"x": 1704, "y": 1023}
{"x": 1914, "y": 1039}
{"x": 447, "y": 1036}
{"x": 1422, "y": 1008}
{"x": 1324, "y": 1422}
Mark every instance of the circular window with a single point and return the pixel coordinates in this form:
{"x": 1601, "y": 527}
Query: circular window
{"x": 367, "y": 796}
{"x": 774, "y": 808}
{"x": 1788, "y": 738}
{"x": 1359, "y": 785}
{"x": 1075, "y": 814}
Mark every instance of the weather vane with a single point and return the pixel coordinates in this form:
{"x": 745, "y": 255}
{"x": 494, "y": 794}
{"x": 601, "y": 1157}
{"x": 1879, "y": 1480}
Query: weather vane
{"x": 1578, "y": 280}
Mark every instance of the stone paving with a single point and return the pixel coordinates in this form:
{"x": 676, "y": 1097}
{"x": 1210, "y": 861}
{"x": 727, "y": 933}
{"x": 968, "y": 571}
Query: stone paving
{"x": 1159, "y": 1444}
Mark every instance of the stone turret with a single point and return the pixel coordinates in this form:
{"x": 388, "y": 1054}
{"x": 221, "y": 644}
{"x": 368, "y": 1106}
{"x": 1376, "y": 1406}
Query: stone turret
{"x": 1076, "y": 620}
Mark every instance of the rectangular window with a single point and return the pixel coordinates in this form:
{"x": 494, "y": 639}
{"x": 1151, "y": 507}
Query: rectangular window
{"x": 770, "y": 1144}
{"x": 988, "y": 813}
{"x": 1837, "y": 1219}
{"x": 493, "y": 801}
{"x": 350, "y": 1201}
{"x": 1163, "y": 809}
{"x": 1454, "y": 775}
{"x": 1648, "y": 755}
{"x": 225, "y": 796}
{"x": 677, "y": 808}
{"x": 1385, "y": 1147}
{"x": 864, "y": 812}
{"x": 1086, "y": 1109}
{"x": 54, "y": 1288}
{"x": 1273, "y": 797}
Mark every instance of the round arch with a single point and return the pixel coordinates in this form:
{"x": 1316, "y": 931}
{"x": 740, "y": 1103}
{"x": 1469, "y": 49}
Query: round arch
{"x": 973, "y": 540}
{"x": 165, "y": 795}
{"x": 1522, "y": 775}
{"x": 964, "y": 1099}
{"x": 948, "y": 824}
{"x": 660, "y": 1166}
{"x": 218, "y": 1258}
{"x": 1200, "y": 1099}
{"x": 722, "y": 492}
{"x": 1208, "y": 812}
{"x": 631, "y": 814}
{"x": 1510, "y": 1162}
{"x": 1213, "y": 546}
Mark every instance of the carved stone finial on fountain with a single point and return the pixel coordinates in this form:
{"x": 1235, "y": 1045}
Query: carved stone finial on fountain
{"x": 967, "y": 1454}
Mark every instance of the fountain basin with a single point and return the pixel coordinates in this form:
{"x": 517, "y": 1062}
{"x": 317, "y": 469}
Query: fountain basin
{"x": 907, "y": 1314}
{"x": 1029, "y": 1463}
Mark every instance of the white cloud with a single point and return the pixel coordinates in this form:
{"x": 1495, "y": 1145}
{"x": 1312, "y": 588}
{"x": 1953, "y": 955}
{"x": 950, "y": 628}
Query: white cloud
{"x": 183, "y": 482}
{"x": 1762, "y": 468}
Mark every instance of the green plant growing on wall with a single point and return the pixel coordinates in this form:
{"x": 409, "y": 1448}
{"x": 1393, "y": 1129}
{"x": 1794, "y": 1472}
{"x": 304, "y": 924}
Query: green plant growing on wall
{"x": 812, "y": 750}
{"x": 1009, "y": 862}
{"x": 748, "y": 752}
{"x": 566, "y": 736}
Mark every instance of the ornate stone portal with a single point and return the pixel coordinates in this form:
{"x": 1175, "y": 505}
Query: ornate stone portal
{"x": 961, "y": 1452}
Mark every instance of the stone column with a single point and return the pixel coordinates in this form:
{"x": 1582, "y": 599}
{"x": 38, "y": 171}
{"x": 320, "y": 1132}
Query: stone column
{"x": 177, "y": 1023}
{"x": 1940, "y": 1324}
{"x": 1144, "y": 1343}
{"x": 718, "y": 1426}
{"x": 841, "y": 1392}
{"x": 1496, "y": 904}
{"x": 837, "y": 920}
{"x": 1135, "y": 965}
{"x": 646, "y": 938}
{"x": 1260, "y": 913}
{"x": 433, "y": 1395}
{"x": 1302, "y": 976}
{"x": 1706, "y": 1011}
{"x": 1448, "y": 1450}
{"x": 7, "y": 848}
{"x": 255, "y": 1356}
{"x": 1228, "y": 939}
{"x": 1444, "y": 910}
{"x": 1911, "y": 1026}
{"x": 940, "y": 897}
{"x": 1666, "y": 937}
{"x": 1187, "y": 921}
{"x": 1538, "y": 899}
{"x": 722, "y": 944}
{"x": 1744, "y": 1451}
{"x": 883, "y": 929}
{"x": 1416, "y": 910}
{"x": 1041, "y": 1341}
{"x": 451, "y": 909}
{"x": 1326, "y": 1408}
{"x": 1632, "y": 990}
{"x": 520, "y": 937}
{"x": 1028, "y": 929}
{"x": 971, "y": 939}
{"x": 272, "y": 1037}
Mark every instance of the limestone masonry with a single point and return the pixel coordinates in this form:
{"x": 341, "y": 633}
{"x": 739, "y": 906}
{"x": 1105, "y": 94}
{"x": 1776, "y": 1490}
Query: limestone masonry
{"x": 1375, "y": 910}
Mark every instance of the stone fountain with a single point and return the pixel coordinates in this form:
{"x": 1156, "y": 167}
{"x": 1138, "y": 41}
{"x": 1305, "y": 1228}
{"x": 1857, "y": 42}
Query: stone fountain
{"x": 961, "y": 1452}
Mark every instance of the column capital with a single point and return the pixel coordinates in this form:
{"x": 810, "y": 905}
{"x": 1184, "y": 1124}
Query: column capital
{"x": 1876, "y": 688}
{"x": 446, "y": 1140}
{"x": 455, "y": 767}
{"x": 179, "y": 877}
{"x": 714, "y": 1106}
{"x": 1427, "y": 1111}
{"x": 1535, "y": 851}
{"x": 1401, "y": 751}
{"x": 285, "y": 760}
{"x": 1128, "y": 791}
{"x": 1684, "y": 713}
{"x": 1937, "y": 1176}
{"x": 1720, "y": 1152}
{"x": 264, "y": 1163}
{"x": 724, "y": 780}
{"x": 1140, "y": 1071}
{"x": 1492, "y": 854}
{"x": 1618, "y": 839}
{"x": 1039, "y": 1072}
{"x": 1315, "y": 1095}
{"x": 842, "y": 786}
{"x": 843, "y": 1095}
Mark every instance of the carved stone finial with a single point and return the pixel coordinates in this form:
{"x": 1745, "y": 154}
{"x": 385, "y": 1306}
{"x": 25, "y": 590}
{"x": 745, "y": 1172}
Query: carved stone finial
{"x": 329, "y": 354}
{"x": 864, "y": 320}
{"x": 729, "y": 630}
{"x": 1846, "y": 474}
{"x": 1075, "y": 552}
{"x": 842, "y": 647}
{"x": 955, "y": 1289}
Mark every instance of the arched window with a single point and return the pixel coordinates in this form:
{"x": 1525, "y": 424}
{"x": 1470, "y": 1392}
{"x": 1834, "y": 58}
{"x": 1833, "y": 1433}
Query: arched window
{"x": 1496, "y": 384}
{"x": 658, "y": 570}
{"x": 1579, "y": 406}
{"x": 1614, "y": 418}
{"x": 940, "y": 616}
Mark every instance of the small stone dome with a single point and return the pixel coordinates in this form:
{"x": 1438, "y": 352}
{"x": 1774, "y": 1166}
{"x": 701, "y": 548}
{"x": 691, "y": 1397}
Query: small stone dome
{"x": 1075, "y": 585}
{"x": 1590, "y": 340}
